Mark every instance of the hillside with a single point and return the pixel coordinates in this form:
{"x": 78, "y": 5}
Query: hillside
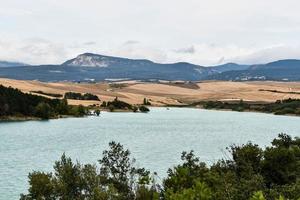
{"x": 11, "y": 64}
{"x": 283, "y": 70}
{"x": 15, "y": 104}
{"x": 90, "y": 67}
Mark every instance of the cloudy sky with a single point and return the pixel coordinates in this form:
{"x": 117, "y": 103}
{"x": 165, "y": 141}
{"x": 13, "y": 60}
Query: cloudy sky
{"x": 205, "y": 32}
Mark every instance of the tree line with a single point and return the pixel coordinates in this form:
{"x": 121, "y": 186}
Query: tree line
{"x": 79, "y": 96}
{"x": 13, "y": 102}
{"x": 280, "y": 107}
{"x": 117, "y": 104}
{"x": 251, "y": 173}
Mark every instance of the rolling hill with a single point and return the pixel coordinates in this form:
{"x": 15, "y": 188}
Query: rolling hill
{"x": 282, "y": 70}
{"x": 11, "y": 64}
{"x": 89, "y": 66}
{"x": 93, "y": 67}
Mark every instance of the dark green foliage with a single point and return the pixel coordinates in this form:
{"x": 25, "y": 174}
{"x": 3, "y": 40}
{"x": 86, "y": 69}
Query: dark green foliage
{"x": 117, "y": 179}
{"x": 62, "y": 107}
{"x": 78, "y": 111}
{"x": 79, "y": 96}
{"x": 118, "y": 104}
{"x": 288, "y": 106}
{"x": 111, "y": 108}
{"x": 48, "y": 94}
{"x": 251, "y": 174}
{"x": 274, "y": 171}
{"x": 104, "y": 104}
{"x": 281, "y": 165}
{"x": 97, "y": 112}
{"x": 144, "y": 109}
{"x": 135, "y": 108}
{"x": 118, "y": 171}
{"x": 13, "y": 102}
{"x": 41, "y": 187}
{"x": 277, "y": 91}
{"x": 43, "y": 110}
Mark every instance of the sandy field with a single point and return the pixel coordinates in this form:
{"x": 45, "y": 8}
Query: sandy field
{"x": 176, "y": 93}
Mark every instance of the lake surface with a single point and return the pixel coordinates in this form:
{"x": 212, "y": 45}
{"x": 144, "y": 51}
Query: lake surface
{"x": 155, "y": 139}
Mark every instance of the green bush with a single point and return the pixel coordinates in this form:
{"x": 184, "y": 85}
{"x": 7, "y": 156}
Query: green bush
{"x": 144, "y": 109}
{"x": 43, "y": 110}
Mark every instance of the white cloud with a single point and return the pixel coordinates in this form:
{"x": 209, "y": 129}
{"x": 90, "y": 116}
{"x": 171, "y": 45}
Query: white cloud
{"x": 41, "y": 51}
{"x": 189, "y": 50}
{"x": 32, "y": 51}
{"x": 200, "y": 31}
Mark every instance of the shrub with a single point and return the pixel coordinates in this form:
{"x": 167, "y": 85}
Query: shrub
{"x": 144, "y": 109}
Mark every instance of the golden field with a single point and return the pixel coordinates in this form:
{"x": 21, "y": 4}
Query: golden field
{"x": 162, "y": 93}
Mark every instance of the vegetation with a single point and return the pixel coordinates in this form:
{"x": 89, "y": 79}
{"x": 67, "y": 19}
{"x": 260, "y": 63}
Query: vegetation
{"x": 118, "y": 85}
{"x": 48, "y": 94}
{"x": 146, "y": 102}
{"x": 79, "y": 96}
{"x": 280, "y": 107}
{"x": 277, "y": 91}
{"x": 104, "y": 104}
{"x": 118, "y": 104}
{"x": 97, "y": 112}
{"x": 14, "y": 103}
{"x": 251, "y": 173}
{"x": 117, "y": 178}
{"x": 144, "y": 109}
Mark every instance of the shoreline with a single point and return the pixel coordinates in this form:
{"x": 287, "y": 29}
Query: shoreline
{"x": 25, "y": 119}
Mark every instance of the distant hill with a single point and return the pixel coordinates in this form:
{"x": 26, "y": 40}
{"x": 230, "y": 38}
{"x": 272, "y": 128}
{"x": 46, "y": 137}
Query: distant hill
{"x": 11, "y": 64}
{"x": 229, "y": 67}
{"x": 282, "y": 70}
{"x": 94, "y": 67}
{"x": 98, "y": 67}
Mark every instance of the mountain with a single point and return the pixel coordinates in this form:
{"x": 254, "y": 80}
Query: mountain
{"x": 94, "y": 67}
{"x": 11, "y": 64}
{"x": 99, "y": 67}
{"x": 282, "y": 70}
{"x": 229, "y": 67}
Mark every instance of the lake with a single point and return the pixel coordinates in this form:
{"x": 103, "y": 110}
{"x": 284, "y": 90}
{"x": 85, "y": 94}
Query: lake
{"x": 155, "y": 139}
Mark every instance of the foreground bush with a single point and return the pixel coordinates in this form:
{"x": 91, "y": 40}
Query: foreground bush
{"x": 251, "y": 173}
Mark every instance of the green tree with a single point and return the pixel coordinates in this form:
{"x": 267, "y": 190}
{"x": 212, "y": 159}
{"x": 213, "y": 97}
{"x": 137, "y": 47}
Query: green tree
{"x": 118, "y": 170}
{"x": 41, "y": 187}
{"x": 198, "y": 192}
{"x": 43, "y": 110}
{"x": 67, "y": 180}
{"x": 144, "y": 109}
{"x": 258, "y": 196}
{"x": 281, "y": 163}
{"x": 104, "y": 104}
{"x": 97, "y": 112}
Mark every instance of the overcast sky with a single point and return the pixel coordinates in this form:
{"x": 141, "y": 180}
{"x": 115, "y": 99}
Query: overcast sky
{"x": 205, "y": 32}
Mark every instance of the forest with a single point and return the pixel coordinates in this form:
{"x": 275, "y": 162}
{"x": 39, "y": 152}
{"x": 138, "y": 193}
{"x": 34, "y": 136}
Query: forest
{"x": 14, "y": 103}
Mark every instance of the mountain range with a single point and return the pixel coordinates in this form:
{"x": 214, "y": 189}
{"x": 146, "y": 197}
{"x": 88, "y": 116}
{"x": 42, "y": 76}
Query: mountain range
{"x": 11, "y": 64}
{"x": 94, "y": 67}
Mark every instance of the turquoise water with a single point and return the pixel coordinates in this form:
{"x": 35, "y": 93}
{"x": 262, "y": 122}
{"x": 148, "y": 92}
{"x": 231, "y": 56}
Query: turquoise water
{"x": 155, "y": 139}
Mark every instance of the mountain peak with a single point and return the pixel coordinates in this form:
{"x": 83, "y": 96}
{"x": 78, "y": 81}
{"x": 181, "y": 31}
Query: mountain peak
{"x": 88, "y": 60}
{"x": 96, "y": 60}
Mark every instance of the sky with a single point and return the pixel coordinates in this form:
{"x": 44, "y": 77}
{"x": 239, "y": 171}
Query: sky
{"x": 204, "y": 32}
